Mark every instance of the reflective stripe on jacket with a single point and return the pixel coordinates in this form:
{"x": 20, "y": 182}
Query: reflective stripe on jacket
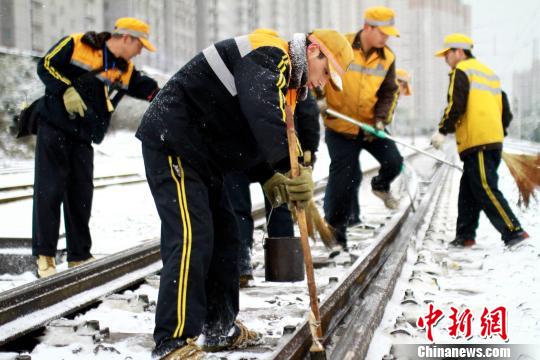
{"x": 480, "y": 125}
{"x": 74, "y": 62}
{"x": 91, "y": 59}
{"x": 361, "y": 89}
{"x": 225, "y": 109}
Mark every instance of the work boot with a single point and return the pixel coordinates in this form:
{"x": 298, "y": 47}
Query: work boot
{"x": 46, "y": 266}
{"x": 244, "y": 280}
{"x": 72, "y": 264}
{"x": 240, "y": 338}
{"x": 389, "y": 200}
{"x": 459, "y": 242}
{"x": 517, "y": 238}
{"x": 189, "y": 351}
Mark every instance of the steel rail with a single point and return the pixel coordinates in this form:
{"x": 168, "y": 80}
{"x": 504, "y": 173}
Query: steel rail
{"x": 101, "y": 182}
{"x": 354, "y": 287}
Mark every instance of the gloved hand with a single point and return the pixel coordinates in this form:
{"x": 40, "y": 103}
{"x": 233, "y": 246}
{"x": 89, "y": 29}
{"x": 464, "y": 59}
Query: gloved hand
{"x": 379, "y": 125}
{"x": 369, "y": 137}
{"x": 73, "y": 102}
{"x": 300, "y": 189}
{"x": 309, "y": 158}
{"x": 275, "y": 189}
{"x": 323, "y": 106}
{"x": 437, "y": 140}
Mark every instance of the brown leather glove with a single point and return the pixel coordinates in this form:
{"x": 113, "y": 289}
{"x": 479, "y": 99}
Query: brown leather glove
{"x": 275, "y": 189}
{"x": 300, "y": 189}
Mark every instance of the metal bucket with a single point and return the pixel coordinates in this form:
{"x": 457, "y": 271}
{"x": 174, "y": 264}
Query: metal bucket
{"x": 284, "y": 260}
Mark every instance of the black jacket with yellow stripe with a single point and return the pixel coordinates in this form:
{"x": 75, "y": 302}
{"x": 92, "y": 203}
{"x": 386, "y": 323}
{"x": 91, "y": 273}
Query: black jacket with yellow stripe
{"x": 225, "y": 109}
{"x": 78, "y": 60}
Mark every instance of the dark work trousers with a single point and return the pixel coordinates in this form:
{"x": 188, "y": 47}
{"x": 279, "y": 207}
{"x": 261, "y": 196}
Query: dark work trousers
{"x": 63, "y": 175}
{"x": 278, "y": 219}
{"x": 478, "y": 190}
{"x": 345, "y": 175}
{"x": 199, "y": 283}
{"x": 354, "y": 216}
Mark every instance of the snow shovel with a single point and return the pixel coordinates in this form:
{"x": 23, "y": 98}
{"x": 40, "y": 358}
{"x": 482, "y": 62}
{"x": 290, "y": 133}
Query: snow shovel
{"x": 316, "y": 350}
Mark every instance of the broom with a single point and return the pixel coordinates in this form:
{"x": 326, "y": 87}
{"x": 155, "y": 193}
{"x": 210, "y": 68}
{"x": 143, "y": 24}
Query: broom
{"x": 525, "y": 170}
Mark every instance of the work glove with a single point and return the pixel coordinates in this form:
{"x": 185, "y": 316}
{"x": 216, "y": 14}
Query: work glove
{"x": 300, "y": 189}
{"x": 437, "y": 140}
{"x": 379, "y": 125}
{"x": 309, "y": 158}
{"x": 73, "y": 102}
{"x": 275, "y": 189}
{"x": 323, "y": 106}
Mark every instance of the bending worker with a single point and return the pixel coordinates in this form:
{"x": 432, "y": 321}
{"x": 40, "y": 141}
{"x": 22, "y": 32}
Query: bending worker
{"x": 223, "y": 111}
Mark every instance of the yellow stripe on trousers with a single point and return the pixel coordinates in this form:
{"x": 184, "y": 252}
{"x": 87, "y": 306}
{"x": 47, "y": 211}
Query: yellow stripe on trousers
{"x": 490, "y": 194}
{"x": 186, "y": 248}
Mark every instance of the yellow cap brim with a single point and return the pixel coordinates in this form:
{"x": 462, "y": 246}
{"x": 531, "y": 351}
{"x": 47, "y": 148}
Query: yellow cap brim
{"x": 441, "y": 52}
{"x": 147, "y": 44}
{"x": 389, "y": 30}
{"x": 335, "y": 79}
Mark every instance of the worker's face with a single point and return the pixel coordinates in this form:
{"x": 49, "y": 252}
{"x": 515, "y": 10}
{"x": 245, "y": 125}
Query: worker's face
{"x": 375, "y": 36}
{"x": 132, "y": 47}
{"x": 318, "y": 71}
{"x": 453, "y": 57}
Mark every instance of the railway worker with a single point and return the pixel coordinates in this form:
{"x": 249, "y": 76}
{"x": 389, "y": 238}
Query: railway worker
{"x": 223, "y": 111}
{"x": 370, "y": 96}
{"x": 404, "y": 80}
{"x": 478, "y": 113}
{"x": 79, "y": 73}
{"x": 279, "y": 220}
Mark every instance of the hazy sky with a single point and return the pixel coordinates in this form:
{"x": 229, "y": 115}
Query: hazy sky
{"x": 503, "y": 32}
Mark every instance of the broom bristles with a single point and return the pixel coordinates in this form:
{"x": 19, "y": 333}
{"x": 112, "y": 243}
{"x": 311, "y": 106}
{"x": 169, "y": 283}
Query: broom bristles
{"x": 317, "y": 224}
{"x": 325, "y": 231}
{"x": 310, "y": 226}
{"x": 525, "y": 170}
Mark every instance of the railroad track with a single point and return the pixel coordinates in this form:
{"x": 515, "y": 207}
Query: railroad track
{"x": 73, "y": 290}
{"x": 25, "y": 191}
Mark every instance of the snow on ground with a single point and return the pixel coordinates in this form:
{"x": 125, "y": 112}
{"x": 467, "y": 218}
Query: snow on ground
{"x": 122, "y": 216}
{"x": 486, "y": 276}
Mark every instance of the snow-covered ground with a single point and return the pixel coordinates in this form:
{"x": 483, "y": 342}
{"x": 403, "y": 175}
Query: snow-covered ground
{"x": 122, "y": 216}
{"x": 487, "y": 276}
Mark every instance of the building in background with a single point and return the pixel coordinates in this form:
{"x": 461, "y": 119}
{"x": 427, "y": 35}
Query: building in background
{"x": 172, "y": 29}
{"x": 526, "y": 99}
{"x": 181, "y": 28}
{"x": 35, "y": 25}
